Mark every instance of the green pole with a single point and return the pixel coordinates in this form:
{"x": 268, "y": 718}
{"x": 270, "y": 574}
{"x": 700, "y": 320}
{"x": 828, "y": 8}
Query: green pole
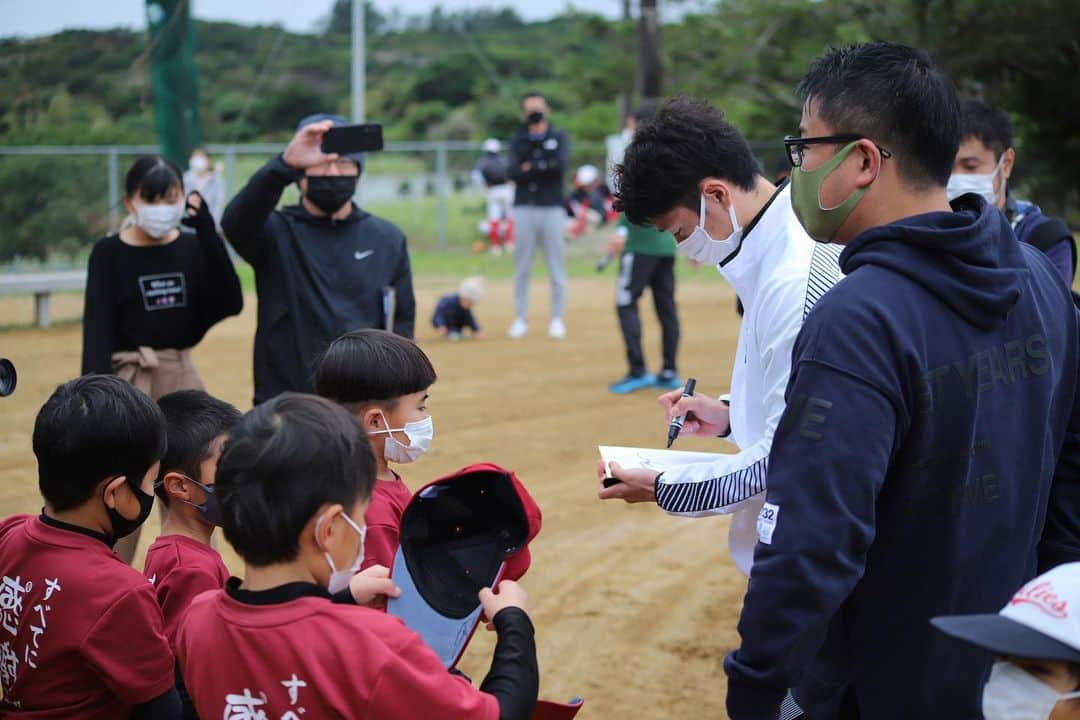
{"x": 174, "y": 79}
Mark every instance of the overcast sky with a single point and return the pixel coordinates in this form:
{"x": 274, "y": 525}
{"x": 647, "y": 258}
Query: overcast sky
{"x": 29, "y": 17}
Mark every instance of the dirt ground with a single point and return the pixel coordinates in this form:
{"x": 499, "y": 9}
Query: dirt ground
{"x": 634, "y": 610}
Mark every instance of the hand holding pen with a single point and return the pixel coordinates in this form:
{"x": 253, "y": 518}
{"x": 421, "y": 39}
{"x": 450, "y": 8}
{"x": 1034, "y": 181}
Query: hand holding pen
{"x": 704, "y": 416}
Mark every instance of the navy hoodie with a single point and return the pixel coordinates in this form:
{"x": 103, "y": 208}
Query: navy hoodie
{"x": 316, "y": 278}
{"x": 931, "y": 419}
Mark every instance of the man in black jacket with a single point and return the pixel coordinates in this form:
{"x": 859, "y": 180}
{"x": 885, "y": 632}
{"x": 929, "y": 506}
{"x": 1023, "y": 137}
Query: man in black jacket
{"x": 323, "y": 267}
{"x": 538, "y": 156}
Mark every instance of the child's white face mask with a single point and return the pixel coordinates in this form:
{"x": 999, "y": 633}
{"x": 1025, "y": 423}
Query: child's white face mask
{"x": 419, "y": 432}
{"x": 339, "y": 579}
{"x": 1012, "y": 693}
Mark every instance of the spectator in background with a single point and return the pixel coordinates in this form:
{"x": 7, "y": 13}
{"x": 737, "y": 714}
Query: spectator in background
{"x": 153, "y": 292}
{"x": 322, "y": 268}
{"x": 539, "y": 155}
{"x": 984, "y": 165}
{"x": 616, "y": 144}
{"x": 493, "y": 170}
{"x": 204, "y": 178}
{"x": 646, "y": 260}
{"x": 590, "y": 204}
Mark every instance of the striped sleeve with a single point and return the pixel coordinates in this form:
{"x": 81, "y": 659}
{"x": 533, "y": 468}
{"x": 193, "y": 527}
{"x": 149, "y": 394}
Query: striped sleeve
{"x": 698, "y": 490}
{"x": 724, "y": 485}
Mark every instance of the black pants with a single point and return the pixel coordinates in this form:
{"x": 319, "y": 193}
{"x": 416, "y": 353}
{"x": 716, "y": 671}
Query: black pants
{"x": 637, "y": 272}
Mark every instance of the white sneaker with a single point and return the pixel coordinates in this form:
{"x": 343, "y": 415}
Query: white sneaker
{"x": 556, "y": 329}
{"x": 518, "y": 329}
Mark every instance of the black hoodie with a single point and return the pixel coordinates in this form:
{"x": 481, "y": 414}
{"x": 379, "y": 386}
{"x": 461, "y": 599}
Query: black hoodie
{"x": 932, "y": 417}
{"x": 316, "y": 278}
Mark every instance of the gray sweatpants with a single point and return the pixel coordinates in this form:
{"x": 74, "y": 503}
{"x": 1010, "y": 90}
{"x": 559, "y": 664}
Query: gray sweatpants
{"x": 543, "y": 227}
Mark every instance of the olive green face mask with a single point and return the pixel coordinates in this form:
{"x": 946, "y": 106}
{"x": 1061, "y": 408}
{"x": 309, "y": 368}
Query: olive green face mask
{"x": 821, "y": 223}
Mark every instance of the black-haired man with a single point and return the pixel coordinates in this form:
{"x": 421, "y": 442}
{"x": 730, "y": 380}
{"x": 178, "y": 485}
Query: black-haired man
{"x": 984, "y": 165}
{"x": 931, "y": 393}
{"x": 691, "y": 173}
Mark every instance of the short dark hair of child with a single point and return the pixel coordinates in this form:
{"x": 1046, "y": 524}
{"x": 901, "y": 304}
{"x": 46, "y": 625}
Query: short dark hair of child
{"x": 193, "y": 419}
{"x": 372, "y": 366}
{"x": 283, "y": 461}
{"x": 90, "y": 429}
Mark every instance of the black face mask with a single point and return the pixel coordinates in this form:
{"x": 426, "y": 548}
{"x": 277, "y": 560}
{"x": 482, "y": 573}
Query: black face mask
{"x": 535, "y": 117}
{"x": 122, "y": 526}
{"x": 330, "y": 192}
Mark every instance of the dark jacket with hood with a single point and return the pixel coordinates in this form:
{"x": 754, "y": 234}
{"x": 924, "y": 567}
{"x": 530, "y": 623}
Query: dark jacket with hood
{"x": 928, "y": 463}
{"x": 316, "y": 278}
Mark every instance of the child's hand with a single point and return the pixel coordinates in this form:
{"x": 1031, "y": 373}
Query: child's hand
{"x": 371, "y": 587}
{"x": 442, "y": 330}
{"x": 510, "y": 595}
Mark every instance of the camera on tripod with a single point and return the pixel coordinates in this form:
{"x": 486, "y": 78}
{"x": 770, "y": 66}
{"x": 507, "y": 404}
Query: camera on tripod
{"x": 7, "y": 377}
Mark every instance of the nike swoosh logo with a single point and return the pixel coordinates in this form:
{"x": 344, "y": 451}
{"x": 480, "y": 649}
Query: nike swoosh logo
{"x": 363, "y": 255}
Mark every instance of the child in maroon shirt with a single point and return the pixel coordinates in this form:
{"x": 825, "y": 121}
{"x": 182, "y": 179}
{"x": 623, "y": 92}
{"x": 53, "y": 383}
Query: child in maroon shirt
{"x": 293, "y": 482}
{"x": 181, "y": 563}
{"x": 80, "y": 633}
{"x": 383, "y": 379}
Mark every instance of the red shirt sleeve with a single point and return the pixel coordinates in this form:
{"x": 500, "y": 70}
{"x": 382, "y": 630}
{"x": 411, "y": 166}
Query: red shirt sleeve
{"x": 175, "y": 593}
{"x": 380, "y": 544}
{"x": 128, "y": 649}
{"x": 414, "y": 683}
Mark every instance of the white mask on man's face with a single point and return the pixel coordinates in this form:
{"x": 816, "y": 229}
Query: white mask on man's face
{"x": 700, "y": 246}
{"x": 1012, "y": 693}
{"x": 198, "y": 163}
{"x": 978, "y": 183}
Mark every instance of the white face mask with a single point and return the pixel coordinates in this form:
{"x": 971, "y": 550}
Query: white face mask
{"x": 702, "y": 248}
{"x": 339, "y": 579}
{"x": 419, "y": 433}
{"x": 158, "y": 219}
{"x": 1015, "y": 694}
{"x": 198, "y": 163}
{"x": 980, "y": 184}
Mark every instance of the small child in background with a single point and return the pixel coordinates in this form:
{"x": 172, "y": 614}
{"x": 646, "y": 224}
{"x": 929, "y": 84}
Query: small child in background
{"x": 82, "y": 635}
{"x": 383, "y": 379}
{"x": 454, "y": 312}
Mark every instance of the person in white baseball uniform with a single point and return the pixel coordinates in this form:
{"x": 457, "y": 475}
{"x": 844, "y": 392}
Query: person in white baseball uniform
{"x": 1035, "y": 640}
{"x": 691, "y": 173}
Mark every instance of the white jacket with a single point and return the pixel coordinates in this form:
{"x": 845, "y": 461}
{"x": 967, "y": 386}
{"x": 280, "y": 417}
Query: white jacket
{"x": 778, "y": 273}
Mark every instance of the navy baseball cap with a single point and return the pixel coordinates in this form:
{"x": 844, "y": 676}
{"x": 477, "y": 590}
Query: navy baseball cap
{"x": 338, "y": 121}
{"x": 459, "y": 534}
{"x": 1040, "y": 622}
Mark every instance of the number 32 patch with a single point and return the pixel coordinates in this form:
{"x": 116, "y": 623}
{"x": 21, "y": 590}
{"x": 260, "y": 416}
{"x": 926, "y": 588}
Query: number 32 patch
{"x": 766, "y": 522}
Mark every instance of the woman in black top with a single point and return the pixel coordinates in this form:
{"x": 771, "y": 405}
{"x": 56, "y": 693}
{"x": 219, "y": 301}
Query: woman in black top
{"x": 153, "y": 290}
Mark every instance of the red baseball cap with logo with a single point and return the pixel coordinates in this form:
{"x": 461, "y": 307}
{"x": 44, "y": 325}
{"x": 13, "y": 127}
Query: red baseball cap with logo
{"x": 1041, "y": 622}
{"x": 460, "y": 533}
